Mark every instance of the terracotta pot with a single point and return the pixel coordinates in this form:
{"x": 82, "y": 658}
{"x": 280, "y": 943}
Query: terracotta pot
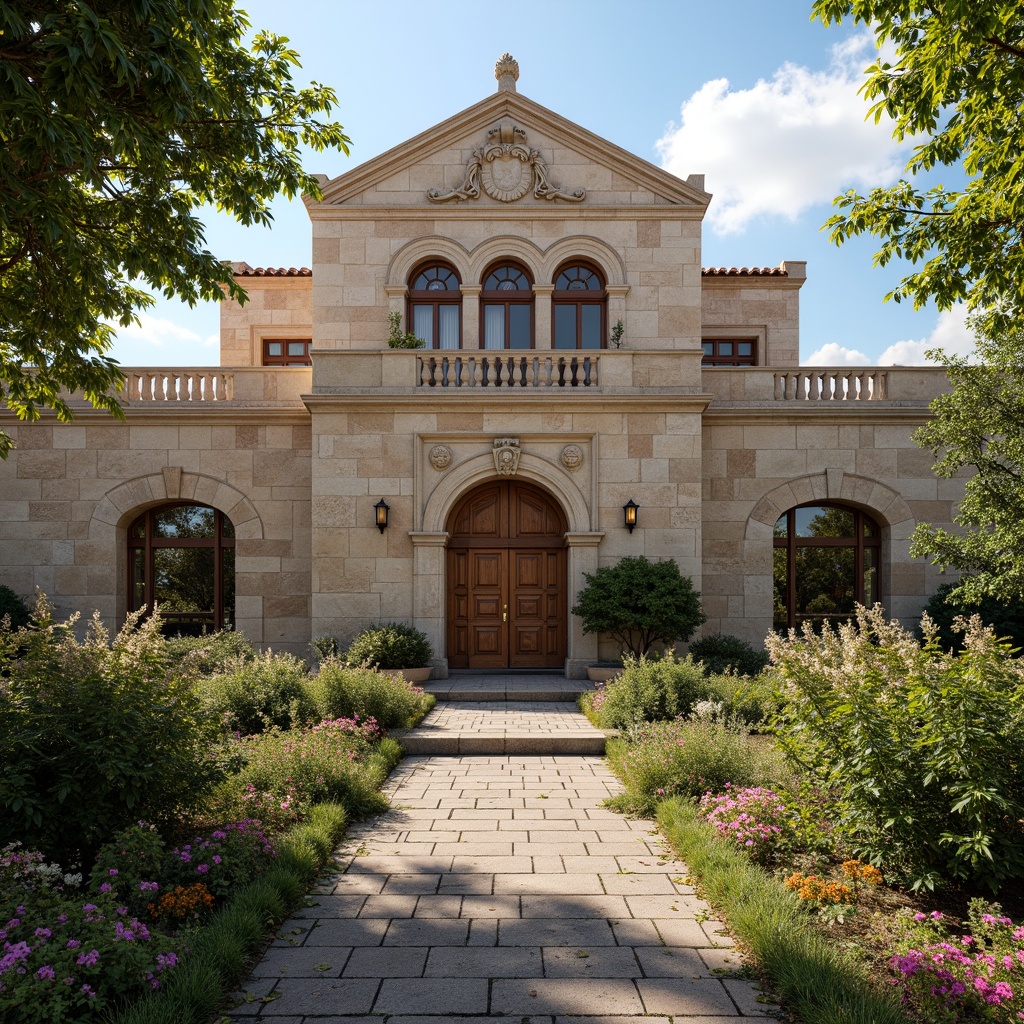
{"x": 415, "y": 675}
{"x": 602, "y": 673}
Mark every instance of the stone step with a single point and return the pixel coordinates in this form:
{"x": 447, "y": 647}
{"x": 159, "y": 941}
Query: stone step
{"x": 509, "y": 727}
{"x": 542, "y": 688}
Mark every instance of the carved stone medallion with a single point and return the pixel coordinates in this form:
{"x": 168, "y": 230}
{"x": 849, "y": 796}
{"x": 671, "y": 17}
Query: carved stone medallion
{"x": 440, "y": 457}
{"x": 506, "y": 455}
{"x": 572, "y": 457}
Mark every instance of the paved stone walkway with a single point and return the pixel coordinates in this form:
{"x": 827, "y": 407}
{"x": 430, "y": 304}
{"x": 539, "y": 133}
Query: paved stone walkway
{"x": 498, "y": 886}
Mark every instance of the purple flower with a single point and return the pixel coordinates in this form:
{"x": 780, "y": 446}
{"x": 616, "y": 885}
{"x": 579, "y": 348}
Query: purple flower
{"x": 45, "y": 972}
{"x": 43, "y": 933}
{"x": 106, "y": 887}
{"x": 89, "y": 959}
{"x": 112, "y": 872}
{"x": 73, "y": 944}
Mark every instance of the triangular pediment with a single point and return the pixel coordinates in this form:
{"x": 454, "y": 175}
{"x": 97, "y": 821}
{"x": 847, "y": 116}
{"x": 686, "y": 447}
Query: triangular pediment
{"x": 566, "y": 160}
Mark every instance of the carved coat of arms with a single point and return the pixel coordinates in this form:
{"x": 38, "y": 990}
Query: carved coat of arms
{"x": 506, "y": 455}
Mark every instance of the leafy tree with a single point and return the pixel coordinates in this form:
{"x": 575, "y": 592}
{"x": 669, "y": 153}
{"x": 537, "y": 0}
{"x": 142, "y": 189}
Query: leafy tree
{"x": 957, "y": 80}
{"x": 640, "y": 603}
{"x": 118, "y": 120}
{"x": 979, "y": 425}
{"x": 944, "y": 607}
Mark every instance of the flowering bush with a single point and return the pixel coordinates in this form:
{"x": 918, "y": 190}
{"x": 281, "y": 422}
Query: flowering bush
{"x": 286, "y": 773}
{"x": 94, "y": 735}
{"x": 683, "y": 758}
{"x": 66, "y": 959}
{"x": 819, "y": 892}
{"x": 183, "y": 903}
{"x": 947, "y": 977}
{"x": 756, "y": 820}
{"x": 925, "y": 748}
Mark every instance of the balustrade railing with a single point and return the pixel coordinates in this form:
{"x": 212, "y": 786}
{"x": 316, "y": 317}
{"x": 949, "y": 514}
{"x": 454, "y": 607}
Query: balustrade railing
{"x": 179, "y": 386}
{"x": 818, "y": 385}
{"x": 507, "y": 371}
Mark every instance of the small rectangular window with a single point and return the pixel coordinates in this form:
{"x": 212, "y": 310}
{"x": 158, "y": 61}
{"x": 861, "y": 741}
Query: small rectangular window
{"x": 729, "y": 352}
{"x": 286, "y": 352}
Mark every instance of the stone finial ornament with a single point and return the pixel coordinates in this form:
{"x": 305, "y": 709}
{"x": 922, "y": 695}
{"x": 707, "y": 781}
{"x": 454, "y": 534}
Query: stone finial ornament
{"x": 506, "y": 455}
{"x": 440, "y": 457}
{"x": 506, "y": 71}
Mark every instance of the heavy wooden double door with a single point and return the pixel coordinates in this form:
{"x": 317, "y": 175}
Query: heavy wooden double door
{"x": 507, "y": 600}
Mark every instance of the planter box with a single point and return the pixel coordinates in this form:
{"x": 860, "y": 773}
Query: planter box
{"x": 414, "y": 675}
{"x": 602, "y": 673}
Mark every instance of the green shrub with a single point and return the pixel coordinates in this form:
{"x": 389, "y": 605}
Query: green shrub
{"x": 720, "y": 653}
{"x": 196, "y": 656}
{"x": 94, "y": 735}
{"x": 1007, "y": 620}
{"x": 648, "y": 690}
{"x": 925, "y": 748}
{"x": 15, "y": 607}
{"x": 338, "y": 691}
{"x": 251, "y": 696}
{"x": 682, "y": 758}
{"x": 749, "y": 699}
{"x": 324, "y": 647}
{"x": 393, "y": 645}
{"x": 285, "y": 774}
{"x": 639, "y": 603}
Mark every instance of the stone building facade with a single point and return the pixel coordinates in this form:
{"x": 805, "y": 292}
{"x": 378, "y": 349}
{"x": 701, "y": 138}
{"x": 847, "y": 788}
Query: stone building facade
{"x": 579, "y": 359}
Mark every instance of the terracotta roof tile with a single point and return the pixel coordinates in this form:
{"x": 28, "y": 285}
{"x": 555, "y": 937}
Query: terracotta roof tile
{"x": 244, "y": 270}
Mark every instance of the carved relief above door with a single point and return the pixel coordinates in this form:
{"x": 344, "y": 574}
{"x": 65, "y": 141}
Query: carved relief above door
{"x": 507, "y": 587}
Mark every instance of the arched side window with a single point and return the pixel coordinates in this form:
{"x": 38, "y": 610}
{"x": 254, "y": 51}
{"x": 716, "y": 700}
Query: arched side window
{"x": 825, "y": 561}
{"x": 435, "y": 306}
{"x": 578, "y": 306}
{"x": 506, "y": 308}
{"x": 181, "y": 557}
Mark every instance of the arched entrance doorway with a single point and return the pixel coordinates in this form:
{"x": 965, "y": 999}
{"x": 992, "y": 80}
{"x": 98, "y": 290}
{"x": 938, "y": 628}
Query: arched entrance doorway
{"x": 507, "y": 585}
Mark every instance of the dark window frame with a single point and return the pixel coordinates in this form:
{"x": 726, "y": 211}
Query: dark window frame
{"x": 434, "y": 298}
{"x": 791, "y": 543}
{"x": 714, "y": 358}
{"x": 149, "y": 543}
{"x": 285, "y": 359}
{"x": 580, "y": 297}
{"x": 522, "y": 297}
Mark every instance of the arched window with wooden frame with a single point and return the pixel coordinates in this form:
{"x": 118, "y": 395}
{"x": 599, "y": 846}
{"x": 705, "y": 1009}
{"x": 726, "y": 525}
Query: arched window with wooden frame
{"x": 506, "y": 308}
{"x": 435, "y": 306}
{"x": 826, "y": 560}
{"x": 181, "y": 558}
{"x": 579, "y": 308}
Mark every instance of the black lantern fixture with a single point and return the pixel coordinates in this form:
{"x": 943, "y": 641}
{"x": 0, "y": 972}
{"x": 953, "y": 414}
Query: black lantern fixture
{"x": 629, "y": 511}
{"x": 381, "y": 509}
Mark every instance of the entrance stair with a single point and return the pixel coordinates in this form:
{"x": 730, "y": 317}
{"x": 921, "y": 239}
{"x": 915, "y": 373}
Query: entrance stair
{"x": 507, "y": 713}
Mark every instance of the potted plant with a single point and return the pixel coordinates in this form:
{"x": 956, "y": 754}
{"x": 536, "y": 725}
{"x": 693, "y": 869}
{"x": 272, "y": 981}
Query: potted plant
{"x": 393, "y": 647}
{"x": 639, "y": 603}
{"x": 396, "y": 339}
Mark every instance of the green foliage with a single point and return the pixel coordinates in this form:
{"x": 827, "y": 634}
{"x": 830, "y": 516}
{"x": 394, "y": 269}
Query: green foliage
{"x": 118, "y": 122}
{"x": 324, "y": 647}
{"x": 748, "y": 699}
{"x": 196, "y": 656}
{"x": 94, "y": 735}
{"x": 398, "y": 339}
{"x": 952, "y": 88}
{"x": 816, "y": 981}
{"x": 266, "y": 692}
{"x": 338, "y": 691}
{"x": 682, "y": 758}
{"x": 14, "y": 606}
{"x": 925, "y": 748}
{"x": 721, "y": 652}
{"x": 392, "y": 645}
{"x": 648, "y": 690}
{"x": 945, "y": 607}
{"x": 979, "y": 426}
{"x": 640, "y": 603}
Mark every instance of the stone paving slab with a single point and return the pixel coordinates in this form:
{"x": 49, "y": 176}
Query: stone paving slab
{"x": 401, "y": 935}
{"x": 507, "y": 686}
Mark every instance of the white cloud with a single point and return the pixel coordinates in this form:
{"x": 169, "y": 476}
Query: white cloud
{"x": 159, "y": 341}
{"x": 949, "y": 333}
{"x": 786, "y": 144}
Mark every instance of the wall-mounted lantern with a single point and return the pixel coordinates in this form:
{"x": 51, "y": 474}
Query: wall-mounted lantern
{"x": 381, "y": 509}
{"x": 629, "y": 512}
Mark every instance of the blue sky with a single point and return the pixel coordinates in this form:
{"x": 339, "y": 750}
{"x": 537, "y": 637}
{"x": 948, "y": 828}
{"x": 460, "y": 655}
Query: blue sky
{"x": 753, "y": 94}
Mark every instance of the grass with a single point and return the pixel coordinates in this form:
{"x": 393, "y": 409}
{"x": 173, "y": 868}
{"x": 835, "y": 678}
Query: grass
{"x": 816, "y": 981}
{"x": 223, "y": 951}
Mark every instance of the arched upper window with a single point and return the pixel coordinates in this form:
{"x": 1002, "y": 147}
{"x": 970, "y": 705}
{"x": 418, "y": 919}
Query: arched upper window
{"x": 435, "y": 306}
{"x": 578, "y": 308}
{"x": 181, "y": 557}
{"x": 826, "y": 561}
{"x": 506, "y": 308}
